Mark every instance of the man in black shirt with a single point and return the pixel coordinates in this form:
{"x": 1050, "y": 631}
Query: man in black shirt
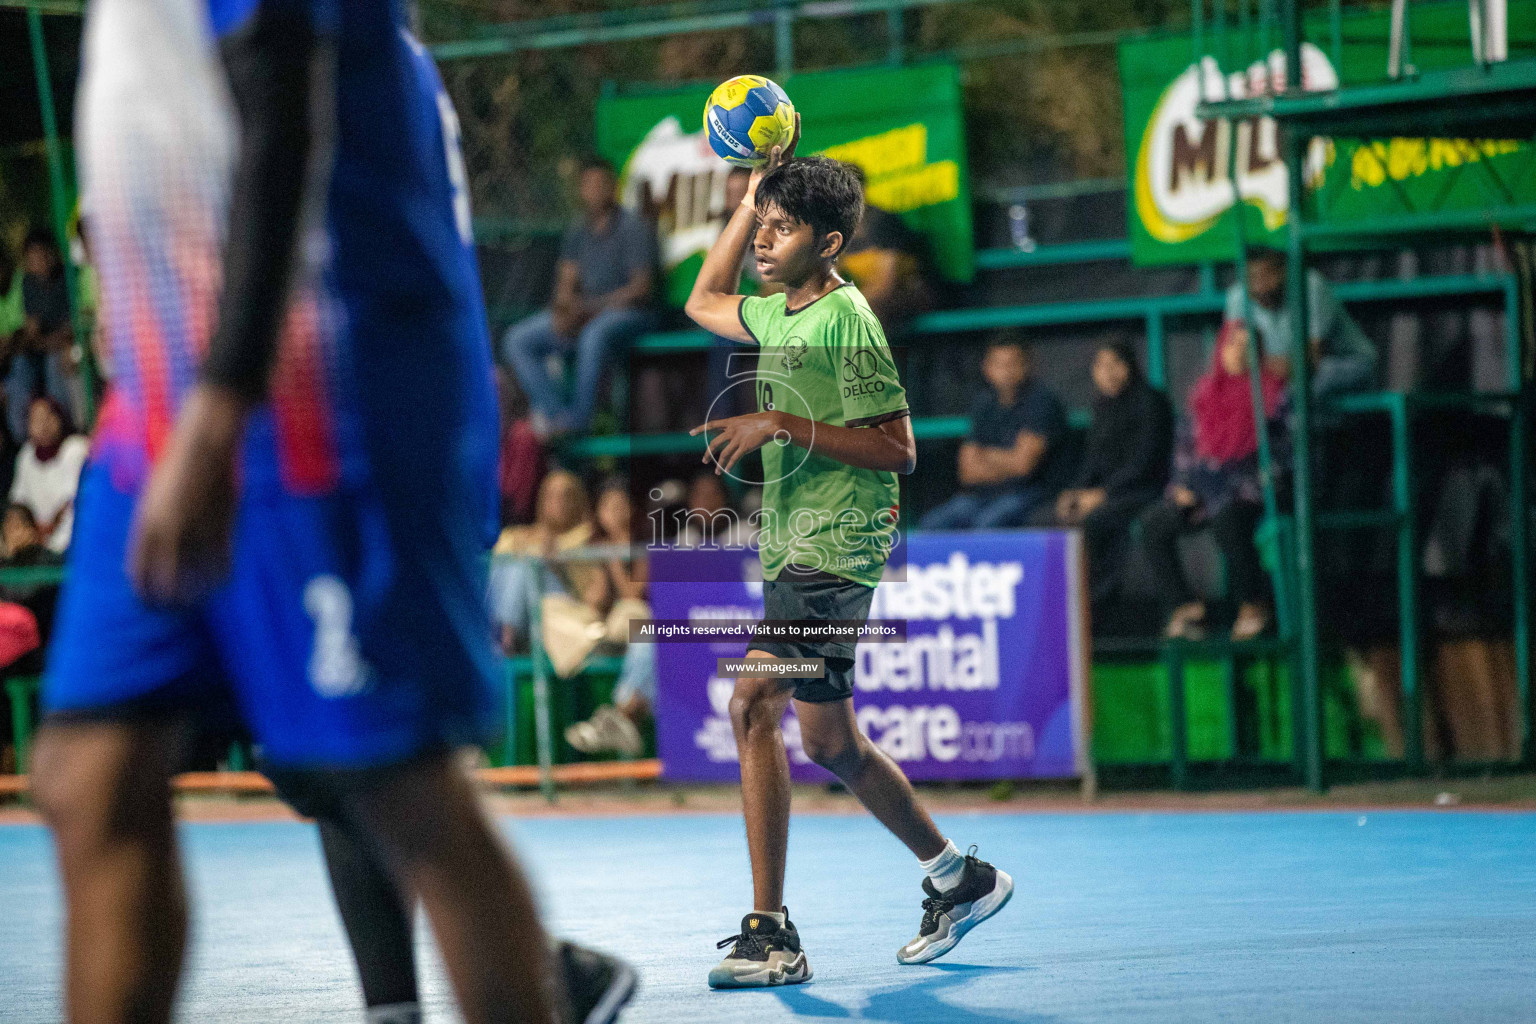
{"x": 1005, "y": 467}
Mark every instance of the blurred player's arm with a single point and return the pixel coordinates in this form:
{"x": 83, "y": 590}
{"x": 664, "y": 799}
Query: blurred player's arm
{"x": 279, "y": 66}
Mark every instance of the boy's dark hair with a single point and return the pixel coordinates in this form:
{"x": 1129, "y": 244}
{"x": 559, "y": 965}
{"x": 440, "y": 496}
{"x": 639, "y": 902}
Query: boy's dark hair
{"x": 593, "y": 162}
{"x": 1264, "y": 254}
{"x": 818, "y": 191}
{"x": 42, "y": 238}
{"x": 15, "y": 508}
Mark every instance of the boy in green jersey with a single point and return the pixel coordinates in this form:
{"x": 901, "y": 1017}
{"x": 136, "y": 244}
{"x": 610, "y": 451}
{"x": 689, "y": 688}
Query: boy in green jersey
{"x": 834, "y": 429}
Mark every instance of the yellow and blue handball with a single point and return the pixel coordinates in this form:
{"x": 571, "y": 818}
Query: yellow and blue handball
{"x": 746, "y": 117}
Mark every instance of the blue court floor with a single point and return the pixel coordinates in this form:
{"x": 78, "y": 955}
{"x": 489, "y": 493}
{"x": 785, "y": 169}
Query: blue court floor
{"x": 1255, "y": 918}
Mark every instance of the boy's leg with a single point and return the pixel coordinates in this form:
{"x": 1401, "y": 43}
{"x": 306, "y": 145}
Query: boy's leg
{"x": 104, "y": 789}
{"x": 757, "y": 709}
{"x": 833, "y": 740}
{"x": 428, "y": 821}
{"x": 377, "y": 918}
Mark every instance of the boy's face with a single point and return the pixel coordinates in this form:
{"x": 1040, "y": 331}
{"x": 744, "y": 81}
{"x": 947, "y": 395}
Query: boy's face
{"x": 787, "y": 250}
{"x": 595, "y": 190}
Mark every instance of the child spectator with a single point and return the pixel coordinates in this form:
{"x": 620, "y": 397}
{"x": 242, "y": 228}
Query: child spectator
{"x": 1216, "y": 484}
{"x": 615, "y": 727}
{"x": 48, "y": 471}
{"x": 563, "y": 521}
{"x": 1005, "y": 463}
{"x": 1124, "y": 467}
{"x": 603, "y": 290}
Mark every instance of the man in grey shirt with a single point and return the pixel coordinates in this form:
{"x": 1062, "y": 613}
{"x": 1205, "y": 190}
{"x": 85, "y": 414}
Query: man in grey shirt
{"x": 604, "y": 285}
{"x": 1342, "y": 358}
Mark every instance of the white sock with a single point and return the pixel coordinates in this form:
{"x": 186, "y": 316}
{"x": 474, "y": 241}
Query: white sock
{"x": 774, "y": 915}
{"x": 946, "y": 868}
{"x": 395, "y": 1013}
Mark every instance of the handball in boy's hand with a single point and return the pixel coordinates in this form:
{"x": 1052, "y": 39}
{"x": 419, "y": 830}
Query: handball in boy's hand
{"x": 746, "y": 117}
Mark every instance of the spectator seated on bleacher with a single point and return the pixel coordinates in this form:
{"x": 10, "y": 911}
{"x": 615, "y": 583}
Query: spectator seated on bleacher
{"x": 1216, "y": 485}
{"x": 562, "y": 521}
{"x": 1341, "y": 357}
{"x": 38, "y": 353}
{"x": 604, "y": 286}
{"x": 615, "y": 727}
{"x": 48, "y": 471}
{"x": 1124, "y": 466}
{"x": 1007, "y": 461}
{"x": 22, "y": 545}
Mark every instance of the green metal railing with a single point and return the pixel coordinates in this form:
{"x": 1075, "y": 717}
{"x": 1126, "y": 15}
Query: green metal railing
{"x": 1460, "y": 102}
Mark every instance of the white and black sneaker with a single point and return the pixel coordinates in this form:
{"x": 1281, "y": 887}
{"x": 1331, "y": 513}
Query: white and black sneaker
{"x": 981, "y": 892}
{"x": 765, "y": 953}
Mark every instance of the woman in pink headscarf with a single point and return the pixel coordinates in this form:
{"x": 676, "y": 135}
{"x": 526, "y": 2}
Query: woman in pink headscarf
{"x": 1216, "y": 484}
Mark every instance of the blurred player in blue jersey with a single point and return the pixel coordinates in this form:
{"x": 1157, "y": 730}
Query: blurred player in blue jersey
{"x": 288, "y": 500}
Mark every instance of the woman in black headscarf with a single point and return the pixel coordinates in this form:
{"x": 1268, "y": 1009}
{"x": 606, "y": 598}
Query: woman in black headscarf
{"x": 1125, "y": 463}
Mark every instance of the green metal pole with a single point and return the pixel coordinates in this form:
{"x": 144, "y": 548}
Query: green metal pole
{"x": 1403, "y": 493}
{"x": 1305, "y": 599}
{"x": 1336, "y": 32}
{"x": 58, "y": 194}
{"x": 1519, "y": 519}
{"x": 543, "y": 731}
{"x": 784, "y": 41}
{"x": 895, "y": 29}
{"x": 1157, "y": 352}
{"x": 1520, "y": 566}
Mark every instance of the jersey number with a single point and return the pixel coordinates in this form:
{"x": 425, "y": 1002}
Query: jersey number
{"x": 336, "y": 666}
{"x": 457, "y": 176}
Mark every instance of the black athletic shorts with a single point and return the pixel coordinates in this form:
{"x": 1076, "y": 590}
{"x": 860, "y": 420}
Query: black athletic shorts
{"x": 801, "y": 593}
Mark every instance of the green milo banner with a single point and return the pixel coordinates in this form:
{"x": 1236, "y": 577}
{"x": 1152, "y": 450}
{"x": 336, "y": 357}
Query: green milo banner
{"x": 902, "y": 126}
{"x": 1180, "y": 204}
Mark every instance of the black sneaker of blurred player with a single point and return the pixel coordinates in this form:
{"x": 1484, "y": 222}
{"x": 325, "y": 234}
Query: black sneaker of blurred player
{"x": 765, "y": 953}
{"x": 597, "y": 985}
{"x": 981, "y": 892}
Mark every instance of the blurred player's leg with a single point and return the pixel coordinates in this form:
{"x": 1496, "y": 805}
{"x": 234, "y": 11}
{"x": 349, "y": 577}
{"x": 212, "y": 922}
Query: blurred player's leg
{"x": 104, "y": 788}
{"x": 378, "y": 923}
{"x": 432, "y": 830}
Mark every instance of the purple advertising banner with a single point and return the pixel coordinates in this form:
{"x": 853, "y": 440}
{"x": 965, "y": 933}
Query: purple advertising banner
{"x": 987, "y": 685}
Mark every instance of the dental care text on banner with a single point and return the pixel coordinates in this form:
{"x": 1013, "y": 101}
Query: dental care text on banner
{"x": 990, "y": 682}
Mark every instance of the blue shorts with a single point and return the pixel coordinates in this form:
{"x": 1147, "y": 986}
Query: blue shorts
{"x": 348, "y": 635}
